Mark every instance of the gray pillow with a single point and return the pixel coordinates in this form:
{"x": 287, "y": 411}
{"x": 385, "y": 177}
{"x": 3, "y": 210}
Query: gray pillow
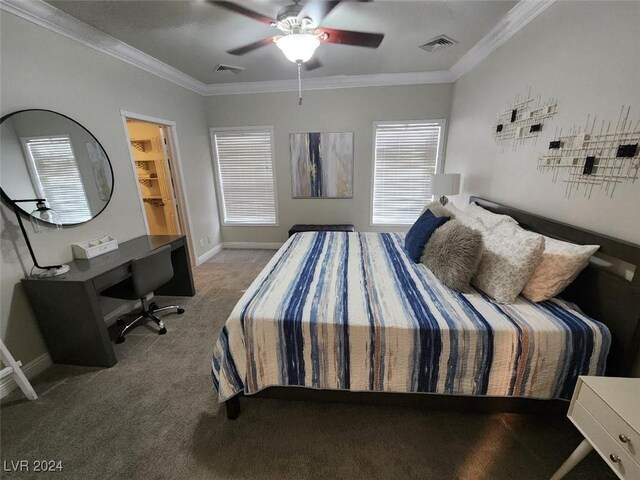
{"x": 453, "y": 253}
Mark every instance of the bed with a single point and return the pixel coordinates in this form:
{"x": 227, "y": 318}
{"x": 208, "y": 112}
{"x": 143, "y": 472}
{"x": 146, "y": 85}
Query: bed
{"x": 351, "y": 312}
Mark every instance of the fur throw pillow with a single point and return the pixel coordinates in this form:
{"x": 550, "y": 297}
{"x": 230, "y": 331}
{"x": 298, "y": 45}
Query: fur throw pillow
{"x": 453, "y": 253}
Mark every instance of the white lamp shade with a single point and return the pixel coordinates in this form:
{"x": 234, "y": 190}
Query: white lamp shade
{"x": 298, "y": 47}
{"x": 445, "y": 184}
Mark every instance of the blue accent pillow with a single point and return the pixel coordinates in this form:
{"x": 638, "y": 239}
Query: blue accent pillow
{"x": 420, "y": 232}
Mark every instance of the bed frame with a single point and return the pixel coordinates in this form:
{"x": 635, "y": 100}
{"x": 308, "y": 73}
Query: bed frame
{"x": 601, "y": 294}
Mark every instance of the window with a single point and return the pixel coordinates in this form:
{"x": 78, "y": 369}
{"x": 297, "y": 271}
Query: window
{"x": 244, "y": 161}
{"x": 406, "y": 155}
{"x": 56, "y": 177}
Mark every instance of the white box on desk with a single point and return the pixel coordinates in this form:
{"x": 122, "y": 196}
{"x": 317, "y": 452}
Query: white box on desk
{"x": 94, "y": 247}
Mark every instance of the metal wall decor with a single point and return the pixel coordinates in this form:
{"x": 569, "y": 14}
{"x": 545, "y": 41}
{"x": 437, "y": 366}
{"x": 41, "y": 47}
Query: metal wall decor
{"x": 597, "y": 155}
{"x": 522, "y": 120}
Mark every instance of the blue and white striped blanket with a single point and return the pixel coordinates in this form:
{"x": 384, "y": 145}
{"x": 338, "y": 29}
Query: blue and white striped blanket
{"x": 352, "y": 311}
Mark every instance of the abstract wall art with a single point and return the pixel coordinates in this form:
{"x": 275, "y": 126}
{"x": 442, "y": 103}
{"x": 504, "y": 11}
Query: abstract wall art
{"x": 322, "y": 165}
{"x": 522, "y": 120}
{"x": 596, "y": 155}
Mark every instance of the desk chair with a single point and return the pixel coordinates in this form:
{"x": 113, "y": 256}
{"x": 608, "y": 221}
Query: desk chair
{"x": 148, "y": 273}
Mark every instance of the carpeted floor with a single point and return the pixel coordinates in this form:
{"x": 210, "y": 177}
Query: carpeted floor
{"x": 154, "y": 416}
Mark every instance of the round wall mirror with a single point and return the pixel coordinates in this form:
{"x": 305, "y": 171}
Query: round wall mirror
{"x": 47, "y": 155}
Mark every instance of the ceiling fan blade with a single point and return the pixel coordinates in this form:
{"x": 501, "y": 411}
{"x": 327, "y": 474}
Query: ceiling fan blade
{"x": 312, "y": 64}
{"x": 251, "y": 47}
{"x": 347, "y": 37}
{"x": 234, "y": 7}
{"x": 318, "y": 9}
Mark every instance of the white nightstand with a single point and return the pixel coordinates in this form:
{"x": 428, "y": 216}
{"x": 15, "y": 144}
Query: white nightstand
{"x": 606, "y": 410}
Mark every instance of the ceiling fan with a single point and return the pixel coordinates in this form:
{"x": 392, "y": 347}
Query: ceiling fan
{"x": 301, "y": 31}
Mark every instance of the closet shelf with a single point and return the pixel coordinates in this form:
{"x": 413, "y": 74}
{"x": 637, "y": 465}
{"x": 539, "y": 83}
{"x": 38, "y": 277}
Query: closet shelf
{"x": 147, "y": 181}
{"x": 148, "y": 160}
{"x": 143, "y": 145}
{"x": 145, "y": 164}
{"x": 154, "y": 201}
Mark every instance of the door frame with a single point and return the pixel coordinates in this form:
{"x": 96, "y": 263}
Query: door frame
{"x": 168, "y": 149}
{"x": 176, "y": 172}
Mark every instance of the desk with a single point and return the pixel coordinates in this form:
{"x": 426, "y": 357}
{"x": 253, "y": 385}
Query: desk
{"x": 69, "y": 308}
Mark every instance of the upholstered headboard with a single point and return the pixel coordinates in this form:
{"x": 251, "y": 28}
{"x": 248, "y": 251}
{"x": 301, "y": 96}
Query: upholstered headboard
{"x": 601, "y": 294}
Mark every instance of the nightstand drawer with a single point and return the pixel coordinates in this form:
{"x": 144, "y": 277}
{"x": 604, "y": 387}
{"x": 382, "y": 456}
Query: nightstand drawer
{"x": 626, "y": 437}
{"x": 608, "y": 448}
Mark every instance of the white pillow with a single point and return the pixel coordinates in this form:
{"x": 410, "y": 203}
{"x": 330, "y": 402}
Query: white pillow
{"x": 489, "y": 219}
{"x": 510, "y": 256}
{"x": 464, "y": 217}
{"x": 454, "y": 212}
{"x": 453, "y": 209}
{"x": 560, "y": 264}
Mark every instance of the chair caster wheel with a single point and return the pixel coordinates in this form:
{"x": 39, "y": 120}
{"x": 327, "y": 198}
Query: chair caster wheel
{"x": 162, "y": 331}
{"x": 120, "y": 322}
{"x": 180, "y": 311}
{"x": 120, "y": 340}
{"x": 153, "y": 306}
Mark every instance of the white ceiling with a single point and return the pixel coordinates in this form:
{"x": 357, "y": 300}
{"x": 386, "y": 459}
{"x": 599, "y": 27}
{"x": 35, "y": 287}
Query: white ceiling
{"x": 193, "y": 36}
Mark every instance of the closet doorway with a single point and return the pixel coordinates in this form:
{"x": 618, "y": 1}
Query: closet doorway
{"x": 153, "y": 149}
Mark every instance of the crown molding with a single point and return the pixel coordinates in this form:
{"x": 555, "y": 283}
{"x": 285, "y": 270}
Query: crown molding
{"x": 326, "y": 83}
{"x": 51, "y": 18}
{"x": 520, "y": 15}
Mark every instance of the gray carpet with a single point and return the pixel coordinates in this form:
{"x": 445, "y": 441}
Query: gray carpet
{"x": 154, "y": 415}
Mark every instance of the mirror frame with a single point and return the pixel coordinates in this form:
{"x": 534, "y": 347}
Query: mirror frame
{"x": 8, "y": 200}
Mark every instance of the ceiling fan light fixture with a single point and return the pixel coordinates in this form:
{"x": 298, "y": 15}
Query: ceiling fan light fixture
{"x": 298, "y": 47}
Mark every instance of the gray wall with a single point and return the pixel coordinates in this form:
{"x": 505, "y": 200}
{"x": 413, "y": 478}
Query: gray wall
{"x": 41, "y": 69}
{"x": 344, "y": 110}
{"x": 585, "y": 54}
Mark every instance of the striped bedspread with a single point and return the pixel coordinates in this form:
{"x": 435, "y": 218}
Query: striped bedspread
{"x": 351, "y": 311}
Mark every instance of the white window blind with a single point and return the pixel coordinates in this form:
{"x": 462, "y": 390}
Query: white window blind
{"x": 244, "y": 160}
{"x": 57, "y": 177}
{"x": 406, "y": 155}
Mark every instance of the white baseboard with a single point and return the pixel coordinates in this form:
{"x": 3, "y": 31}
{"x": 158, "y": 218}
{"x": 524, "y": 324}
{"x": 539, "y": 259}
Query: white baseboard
{"x": 31, "y": 369}
{"x": 207, "y": 255}
{"x": 252, "y": 245}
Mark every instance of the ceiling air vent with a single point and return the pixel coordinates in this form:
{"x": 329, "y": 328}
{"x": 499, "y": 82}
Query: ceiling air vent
{"x": 228, "y": 69}
{"x": 438, "y": 43}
